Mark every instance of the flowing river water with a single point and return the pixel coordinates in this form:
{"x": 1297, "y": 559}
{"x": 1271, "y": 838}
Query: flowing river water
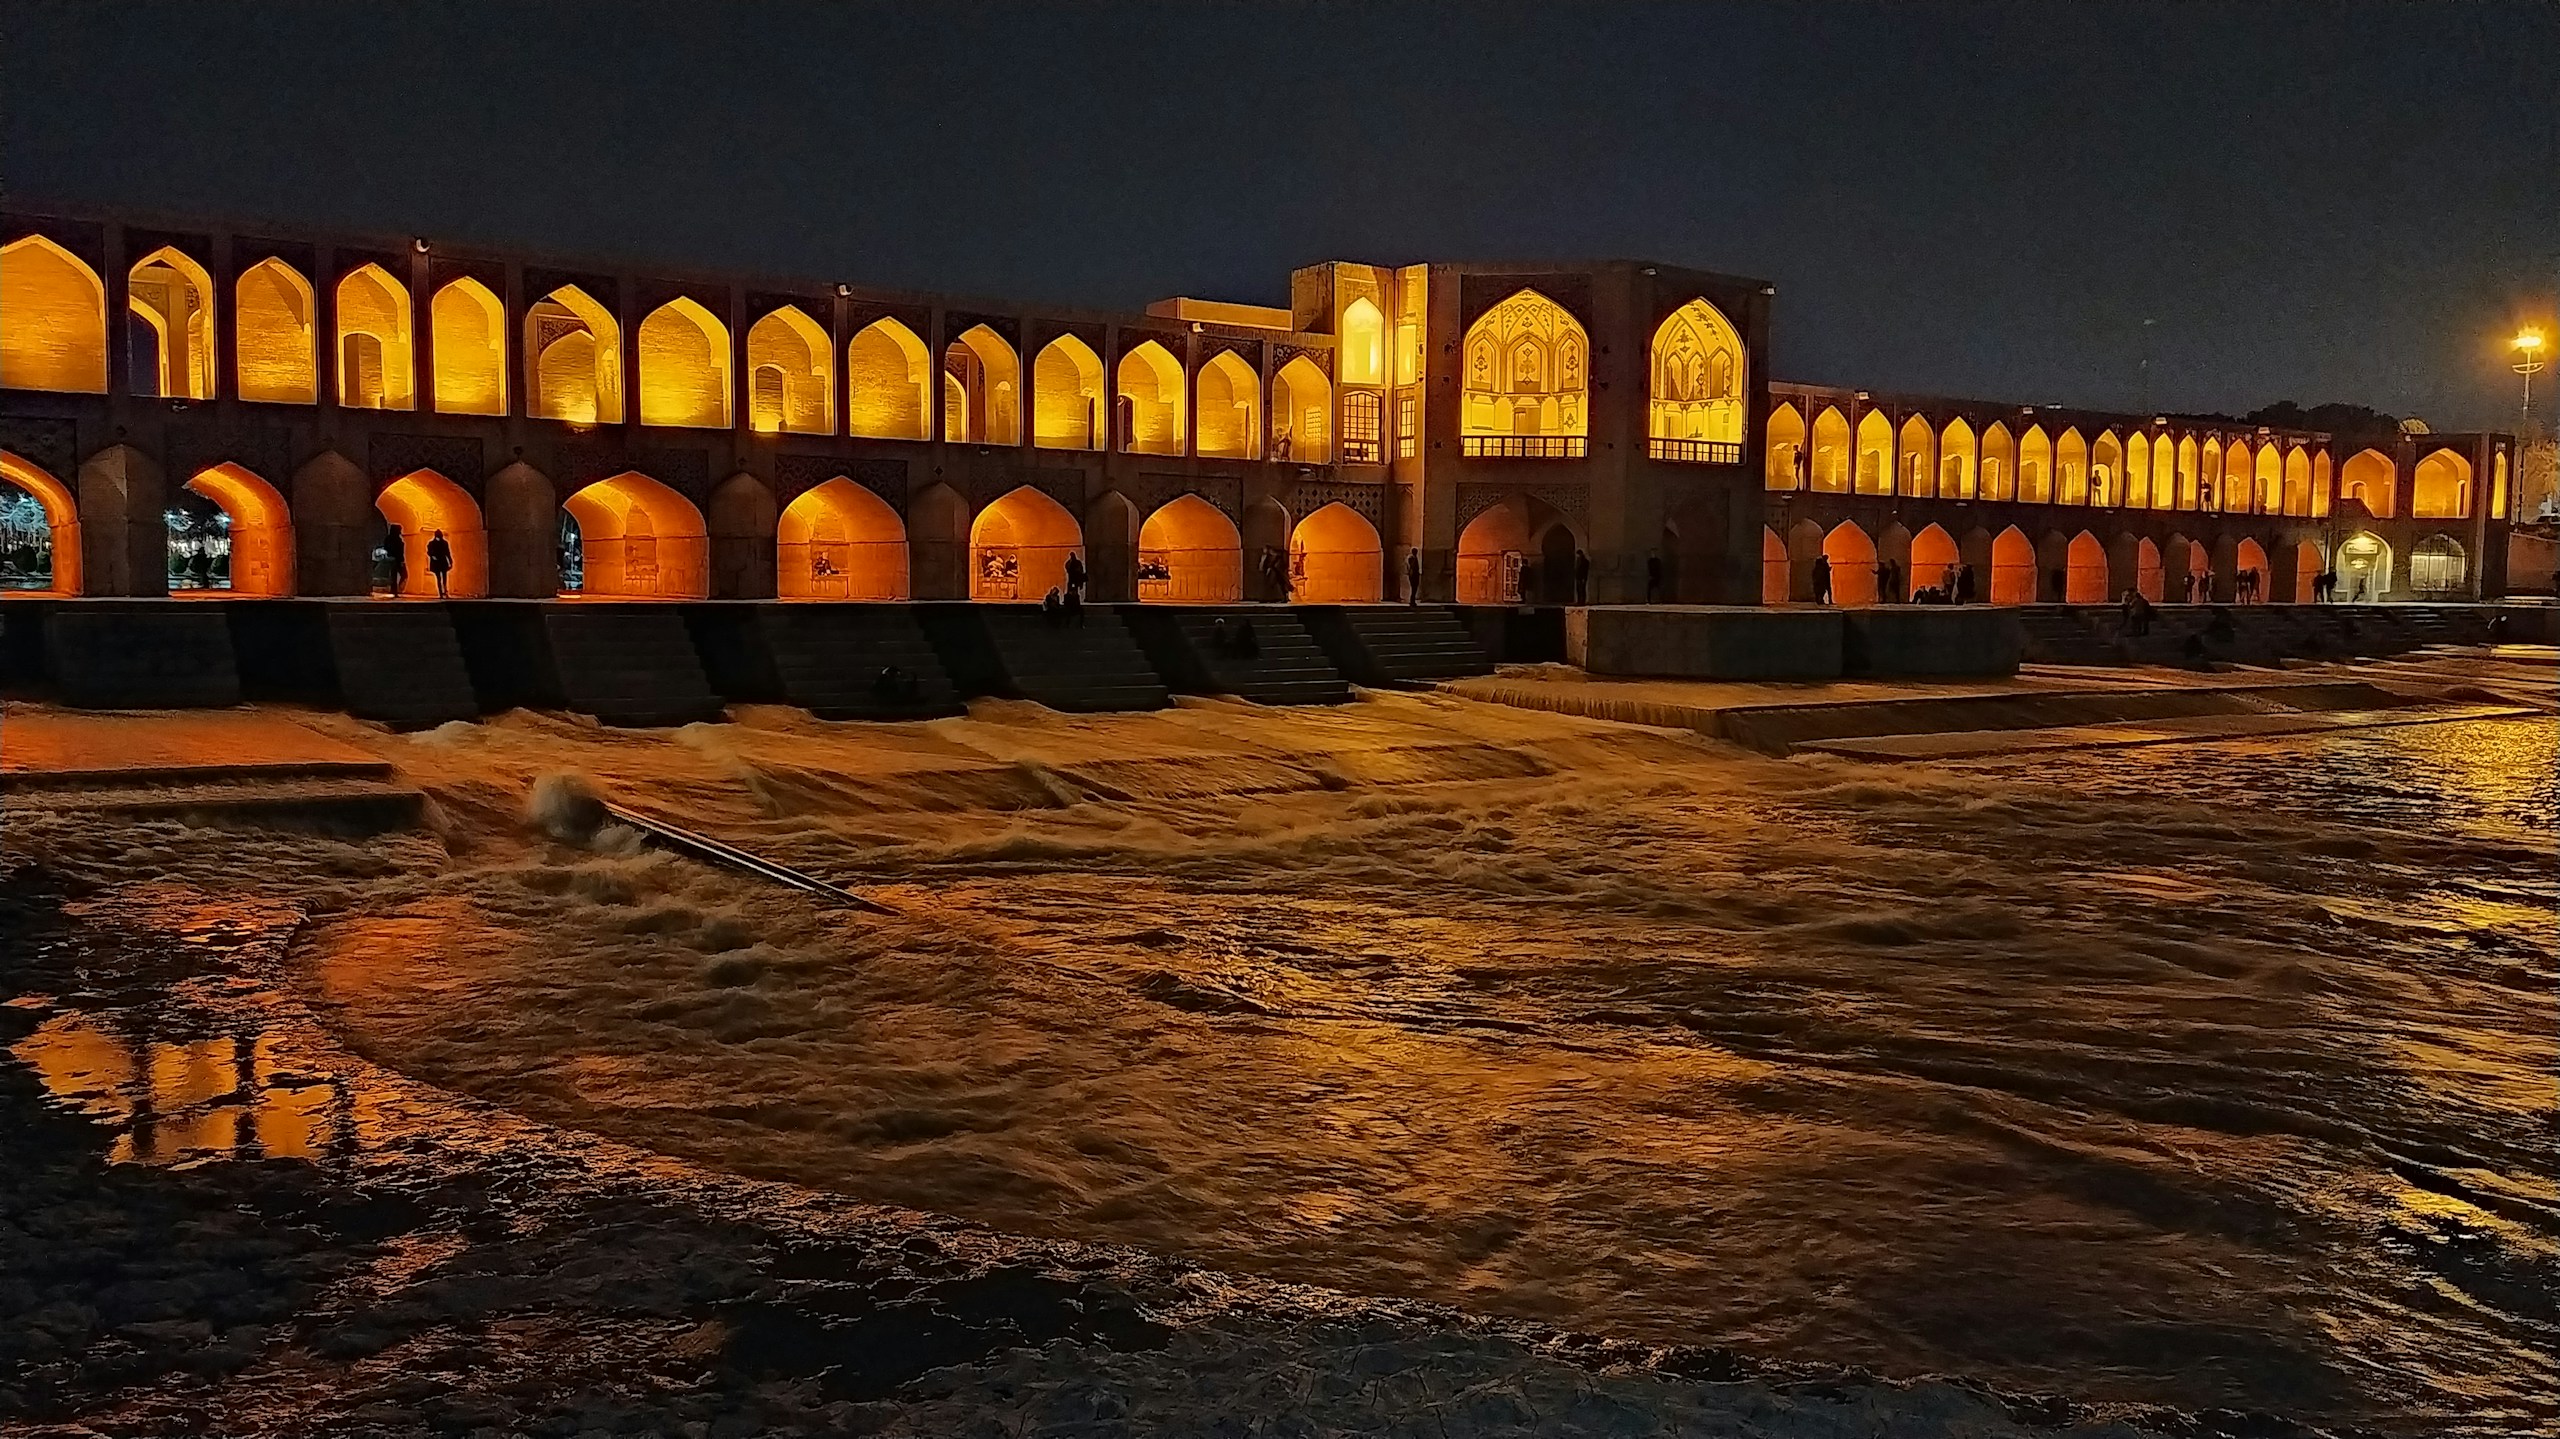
{"x": 2213, "y": 1076}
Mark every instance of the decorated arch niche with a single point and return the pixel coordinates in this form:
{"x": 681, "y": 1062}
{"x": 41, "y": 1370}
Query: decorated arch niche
{"x": 1916, "y": 462}
{"x": 1066, "y": 396}
{"x": 1150, "y": 401}
{"x": 630, "y": 537}
{"x": 376, "y": 361}
{"x": 2013, "y": 568}
{"x": 791, "y": 375}
{"x": 1775, "y": 572}
{"x": 1230, "y": 409}
{"x": 1190, "y": 553}
{"x": 53, "y": 319}
{"x": 573, "y": 360}
{"x": 1853, "y": 565}
{"x": 2268, "y": 498}
{"x": 39, "y": 530}
{"x": 981, "y": 390}
{"x": 273, "y": 333}
{"x": 2363, "y": 567}
{"x": 1785, "y": 450}
{"x": 2071, "y": 468}
{"x": 2190, "y": 493}
{"x": 1019, "y": 546}
{"x": 2148, "y": 577}
{"x": 1493, "y": 552}
{"x": 2440, "y": 489}
{"x": 1999, "y": 464}
{"x": 1829, "y": 472}
{"x": 422, "y": 505}
{"x": 2297, "y": 481}
{"x": 2035, "y": 467}
{"x": 2437, "y": 565}
{"x": 1301, "y": 403}
{"x": 250, "y": 550}
{"x": 2164, "y": 472}
{"x": 1527, "y": 362}
{"x": 839, "y": 541}
{"x": 2084, "y": 579}
{"x": 1364, "y": 340}
{"x": 1699, "y": 380}
{"x": 888, "y": 383}
{"x": 1875, "y": 454}
{"x": 470, "y": 326}
{"x": 1956, "y": 461}
{"x": 2368, "y": 478}
{"x": 1335, "y": 558}
{"x": 170, "y": 326}
{"x": 684, "y": 367}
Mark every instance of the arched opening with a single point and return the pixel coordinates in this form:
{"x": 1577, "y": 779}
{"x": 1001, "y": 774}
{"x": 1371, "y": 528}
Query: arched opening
{"x": 1934, "y": 562}
{"x": 1301, "y": 402}
{"x": 839, "y": 541}
{"x": 2013, "y": 568}
{"x": 1493, "y": 551}
{"x": 2498, "y": 487}
{"x": 247, "y": 548}
{"x": 2321, "y": 476}
{"x": 422, "y": 505}
{"x": 2148, "y": 577}
{"x": 2164, "y": 472}
{"x": 2268, "y": 497}
{"x": 2436, "y": 566}
{"x": 376, "y": 364}
{"x": 470, "y": 349}
{"x": 981, "y": 390}
{"x": 2297, "y": 481}
{"x": 1786, "y": 453}
{"x": 53, "y": 319}
{"x": 1956, "y": 461}
{"x": 2364, "y": 567}
{"x": 791, "y": 361}
{"x": 889, "y": 383}
{"x": 2071, "y": 468}
{"x": 1018, "y": 547}
{"x": 1150, "y": 401}
{"x": 2035, "y": 467}
{"x": 2439, "y": 490}
{"x": 684, "y": 367}
{"x": 1364, "y": 339}
{"x": 272, "y": 330}
{"x": 2368, "y": 478}
{"x": 1189, "y": 552}
{"x": 1999, "y": 464}
{"x": 39, "y": 531}
{"x": 2190, "y": 493}
{"x": 1875, "y": 454}
{"x": 1830, "y": 470}
{"x": 2308, "y": 563}
{"x": 2236, "y": 478}
{"x": 1853, "y": 565}
{"x": 630, "y": 537}
{"x": 2251, "y": 559}
{"x": 1916, "y": 458}
{"x": 2106, "y": 470}
{"x": 1559, "y": 548}
{"x": 1700, "y": 384}
{"x": 1527, "y": 360}
{"x": 573, "y": 360}
{"x": 170, "y": 326}
{"x": 2137, "y": 473}
{"x": 2085, "y": 571}
{"x": 1230, "y": 409}
{"x": 1335, "y": 558}
{"x": 1775, "y": 572}
{"x": 1066, "y": 396}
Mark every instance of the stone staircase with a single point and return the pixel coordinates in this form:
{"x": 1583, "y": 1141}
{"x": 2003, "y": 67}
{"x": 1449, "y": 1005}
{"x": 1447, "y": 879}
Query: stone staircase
{"x": 1383, "y": 645}
{"x": 1287, "y": 668}
{"x": 628, "y": 663}
{"x": 828, "y": 659}
{"x": 1089, "y": 666}
{"x": 400, "y": 664}
{"x": 141, "y": 654}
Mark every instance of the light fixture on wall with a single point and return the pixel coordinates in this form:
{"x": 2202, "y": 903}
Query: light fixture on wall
{"x": 844, "y": 292}
{"x": 419, "y": 244}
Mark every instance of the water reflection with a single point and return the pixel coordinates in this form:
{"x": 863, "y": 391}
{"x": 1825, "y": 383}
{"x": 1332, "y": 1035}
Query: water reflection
{"x": 169, "y": 1101}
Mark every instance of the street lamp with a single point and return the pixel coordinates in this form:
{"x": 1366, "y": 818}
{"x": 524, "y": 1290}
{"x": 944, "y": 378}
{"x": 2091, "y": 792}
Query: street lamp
{"x": 2528, "y": 345}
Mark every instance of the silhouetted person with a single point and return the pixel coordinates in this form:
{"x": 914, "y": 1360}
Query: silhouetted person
{"x": 1248, "y": 644}
{"x": 2137, "y": 614}
{"x": 395, "y": 551}
{"x": 1822, "y": 579}
{"x": 1964, "y": 584}
{"x": 439, "y": 561}
{"x": 1220, "y": 638}
{"x": 1076, "y": 577}
{"x": 888, "y": 684}
{"x": 1052, "y": 608}
{"x": 1581, "y": 578}
{"x": 1072, "y": 611}
{"x": 1413, "y": 576}
{"x": 1652, "y": 578}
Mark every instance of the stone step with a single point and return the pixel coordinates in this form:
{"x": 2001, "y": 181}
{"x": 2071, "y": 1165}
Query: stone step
{"x": 628, "y": 663}
{"x": 1288, "y": 666}
{"x": 1091, "y": 664}
{"x": 1381, "y": 645}
{"x": 343, "y": 806}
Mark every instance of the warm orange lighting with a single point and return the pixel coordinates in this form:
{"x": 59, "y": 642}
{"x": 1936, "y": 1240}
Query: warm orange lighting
{"x": 839, "y": 541}
{"x": 2084, "y": 579}
{"x": 790, "y": 375}
{"x": 1066, "y": 396}
{"x": 1775, "y": 571}
{"x": 1018, "y": 547}
{"x": 640, "y": 540}
{"x": 981, "y": 390}
{"x": 470, "y": 328}
{"x": 2013, "y": 568}
{"x": 376, "y": 370}
{"x": 261, "y": 529}
{"x": 1527, "y": 361}
{"x": 272, "y": 308}
{"x": 61, "y": 517}
{"x": 1335, "y": 558}
{"x": 1301, "y": 413}
{"x": 2441, "y": 488}
{"x": 2529, "y": 341}
{"x": 1230, "y": 410}
{"x": 1190, "y": 551}
{"x": 573, "y": 360}
{"x": 173, "y": 298}
{"x": 1853, "y": 565}
{"x": 1785, "y": 450}
{"x": 1699, "y": 376}
{"x": 887, "y": 374}
{"x": 1829, "y": 471}
{"x": 684, "y": 367}
{"x": 1493, "y": 550}
{"x": 1151, "y": 401}
{"x": 53, "y": 319}
{"x": 424, "y": 504}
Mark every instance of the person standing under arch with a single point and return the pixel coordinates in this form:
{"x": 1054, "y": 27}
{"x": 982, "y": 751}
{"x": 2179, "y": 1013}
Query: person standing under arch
{"x": 1822, "y": 579}
{"x": 395, "y": 554}
{"x": 440, "y": 562}
{"x": 1413, "y": 576}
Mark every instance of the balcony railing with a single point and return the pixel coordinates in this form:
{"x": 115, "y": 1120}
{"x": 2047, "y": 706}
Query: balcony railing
{"x": 1359, "y": 452}
{"x": 1524, "y": 447}
{"x": 1697, "y": 452}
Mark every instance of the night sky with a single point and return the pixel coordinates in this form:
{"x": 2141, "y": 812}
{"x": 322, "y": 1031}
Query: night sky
{"x": 2317, "y": 202}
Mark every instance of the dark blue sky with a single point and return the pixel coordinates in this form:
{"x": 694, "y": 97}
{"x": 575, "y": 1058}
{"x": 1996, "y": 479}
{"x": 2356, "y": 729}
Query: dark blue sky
{"x": 2312, "y": 201}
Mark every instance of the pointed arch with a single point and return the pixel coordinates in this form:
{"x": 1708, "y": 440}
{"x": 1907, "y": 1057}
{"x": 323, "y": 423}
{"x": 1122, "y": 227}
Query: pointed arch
{"x": 1301, "y": 403}
{"x": 2498, "y": 487}
{"x": 2148, "y": 576}
{"x": 2440, "y": 488}
{"x": 1189, "y": 552}
{"x": 377, "y": 364}
{"x": 39, "y": 535}
{"x": 2164, "y": 472}
{"x": 2106, "y": 470}
{"x": 2368, "y": 478}
{"x": 888, "y": 382}
{"x": 2137, "y": 471}
{"x": 425, "y": 504}
{"x": 470, "y": 328}
{"x": 1700, "y": 378}
{"x": 2085, "y": 571}
{"x": 1523, "y": 392}
{"x": 636, "y": 538}
{"x": 1853, "y": 564}
{"x": 2236, "y": 478}
{"x": 1785, "y": 452}
{"x": 1999, "y": 463}
{"x": 1493, "y": 552}
{"x": 1956, "y": 460}
{"x": 1019, "y": 546}
{"x": 2035, "y": 467}
{"x": 2269, "y": 496}
{"x": 2323, "y": 479}
{"x": 1335, "y": 558}
{"x": 1875, "y": 454}
{"x": 572, "y": 360}
{"x": 260, "y": 525}
{"x": 1915, "y": 464}
{"x": 791, "y": 375}
{"x": 2297, "y": 481}
{"x": 2437, "y": 565}
{"x": 839, "y": 541}
{"x": 981, "y": 389}
{"x": 1364, "y": 337}
{"x": 2190, "y": 492}
{"x": 1229, "y": 402}
{"x": 1775, "y": 571}
{"x": 273, "y": 334}
{"x": 684, "y": 367}
{"x": 53, "y": 319}
{"x": 2013, "y": 568}
{"x": 2071, "y": 468}
{"x": 170, "y": 300}
{"x": 1066, "y": 396}
{"x": 1151, "y": 400}
{"x": 1934, "y": 561}
{"x": 2363, "y": 567}
{"x": 1830, "y": 468}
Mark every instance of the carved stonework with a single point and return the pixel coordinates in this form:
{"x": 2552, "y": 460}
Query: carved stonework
{"x": 192, "y": 447}
{"x": 796, "y": 475}
{"x": 50, "y": 445}
{"x": 687, "y": 472}
{"x": 1281, "y": 355}
{"x": 1368, "y": 501}
{"x": 1152, "y": 492}
{"x": 1064, "y": 486}
{"x": 1571, "y": 501}
{"x": 456, "y": 457}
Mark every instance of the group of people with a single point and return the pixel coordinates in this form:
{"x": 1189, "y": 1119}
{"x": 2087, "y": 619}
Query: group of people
{"x": 395, "y": 559}
{"x": 1956, "y": 585}
{"x": 1064, "y": 604}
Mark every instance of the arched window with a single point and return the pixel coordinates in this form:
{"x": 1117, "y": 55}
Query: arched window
{"x": 1830, "y": 467}
{"x": 1523, "y": 393}
{"x": 1066, "y": 396}
{"x": 375, "y": 365}
{"x": 271, "y": 318}
{"x": 2035, "y": 467}
{"x": 887, "y": 377}
{"x": 636, "y": 539}
{"x": 1189, "y": 551}
{"x": 2441, "y": 490}
{"x": 1230, "y": 409}
{"x": 1698, "y": 386}
{"x": 169, "y": 304}
{"x": 1999, "y": 463}
{"x": 1363, "y": 343}
{"x": 470, "y": 349}
{"x": 1151, "y": 397}
{"x": 2436, "y": 565}
{"x": 2368, "y": 478}
{"x": 1956, "y": 461}
{"x": 839, "y": 541}
{"x": 1917, "y": 462}
{"x": 1301, "y": 406}
{"x": 789, "y": 360}
{"x": 981, "y": 389}
{"x": 53, "y": 319}
{"x": 684, "y": 367}
{"x": 1786, "y": 455}
{"x": 573, "y": 360}
{"x": 1875, "y": 454}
